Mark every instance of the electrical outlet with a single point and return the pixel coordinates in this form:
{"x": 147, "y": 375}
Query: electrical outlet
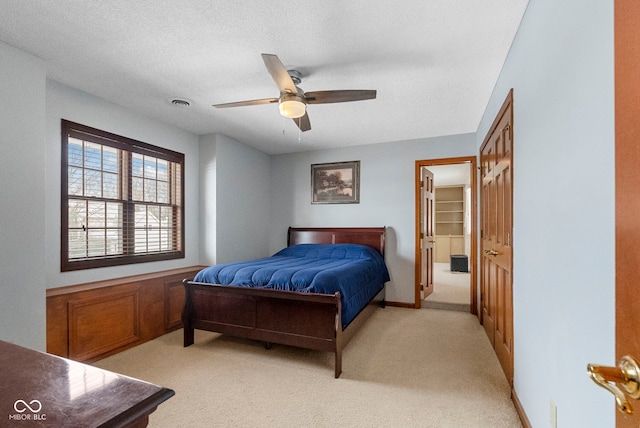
{"x": 553, "y": 414}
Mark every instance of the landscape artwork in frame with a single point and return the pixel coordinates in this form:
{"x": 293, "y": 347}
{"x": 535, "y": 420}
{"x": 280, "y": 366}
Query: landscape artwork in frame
{"x": 335, "y": 183}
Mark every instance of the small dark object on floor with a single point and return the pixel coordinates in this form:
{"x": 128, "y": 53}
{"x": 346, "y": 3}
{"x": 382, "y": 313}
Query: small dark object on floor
{"x": 459, "y": 263}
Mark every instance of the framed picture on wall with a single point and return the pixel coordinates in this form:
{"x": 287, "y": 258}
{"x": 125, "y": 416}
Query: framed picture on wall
{"x": 335, "y": 183}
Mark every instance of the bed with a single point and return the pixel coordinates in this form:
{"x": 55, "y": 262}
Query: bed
{"x": 281, "y": 305}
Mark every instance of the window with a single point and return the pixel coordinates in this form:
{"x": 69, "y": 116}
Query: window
{"x": 122, "y": 200}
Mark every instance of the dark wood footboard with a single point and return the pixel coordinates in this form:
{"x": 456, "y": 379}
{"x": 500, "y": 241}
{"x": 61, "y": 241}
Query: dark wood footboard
{"x": 311, "y": 321}
{"x": 306, "y": 320}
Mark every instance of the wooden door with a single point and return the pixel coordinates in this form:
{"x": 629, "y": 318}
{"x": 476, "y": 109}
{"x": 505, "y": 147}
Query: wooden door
{"x": 419, "y": 164}
{"x": 426, "y": 231}
{"x": 627, "y": 129}
{"x": 496, "y": 301}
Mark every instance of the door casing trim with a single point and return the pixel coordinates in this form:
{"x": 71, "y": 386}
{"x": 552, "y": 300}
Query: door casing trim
{"x": 472, "y": 161}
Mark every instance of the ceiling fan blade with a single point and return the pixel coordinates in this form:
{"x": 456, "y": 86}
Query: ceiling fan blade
{"x": 247, "y": 103}
{"x": 325, "y": 97}
{"x": 279, "y": 73}
{"x": 303, "y": 122}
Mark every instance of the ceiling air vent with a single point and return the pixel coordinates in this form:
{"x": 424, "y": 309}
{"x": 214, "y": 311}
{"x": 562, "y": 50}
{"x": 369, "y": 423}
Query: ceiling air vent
{"x": 180, "y": 102}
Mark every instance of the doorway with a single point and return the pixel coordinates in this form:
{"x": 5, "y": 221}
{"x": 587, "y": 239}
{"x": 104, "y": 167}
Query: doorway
{"x": 453, "y": 240}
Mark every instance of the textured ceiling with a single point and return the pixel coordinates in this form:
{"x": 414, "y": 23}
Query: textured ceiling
{"x": 433, "y": 62}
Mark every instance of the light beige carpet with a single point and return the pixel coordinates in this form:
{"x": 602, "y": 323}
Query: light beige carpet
{"x": 404, "y": 368}
{"x": 451, "y": 290}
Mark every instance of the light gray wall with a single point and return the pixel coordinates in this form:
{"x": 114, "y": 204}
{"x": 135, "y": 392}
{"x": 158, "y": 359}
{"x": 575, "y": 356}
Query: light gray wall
{"x": 235, "y": 200}
{"x": 387, "y": 197}
{"x": 208, "y": 200}
{"x": 22, "y": 212}
{"x": 64, "y": 102}
{"x": 561, "y": 69}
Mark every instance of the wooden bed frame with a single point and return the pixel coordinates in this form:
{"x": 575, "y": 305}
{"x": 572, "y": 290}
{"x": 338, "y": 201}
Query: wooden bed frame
{"x": 306, "y": 320}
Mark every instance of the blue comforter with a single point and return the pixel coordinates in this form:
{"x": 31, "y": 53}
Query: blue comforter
{"x": 358, "y": 272}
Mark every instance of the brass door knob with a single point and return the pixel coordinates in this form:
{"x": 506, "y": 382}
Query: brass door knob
{"x": 627, "y": 375}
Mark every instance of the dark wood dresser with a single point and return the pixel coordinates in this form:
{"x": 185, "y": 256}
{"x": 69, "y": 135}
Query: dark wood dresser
{"x": 43, "y": 390}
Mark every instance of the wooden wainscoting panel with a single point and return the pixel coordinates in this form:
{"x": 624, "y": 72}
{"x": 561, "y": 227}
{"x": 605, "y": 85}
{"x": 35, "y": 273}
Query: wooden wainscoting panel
{"x": 173, "y": 304}
{"x": 87, "y": 322}
{"x": 58, "y": 326}
{"x": 100, "y": 324}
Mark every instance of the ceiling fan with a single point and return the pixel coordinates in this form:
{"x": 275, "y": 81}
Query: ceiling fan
{"x": 293, "y": 100}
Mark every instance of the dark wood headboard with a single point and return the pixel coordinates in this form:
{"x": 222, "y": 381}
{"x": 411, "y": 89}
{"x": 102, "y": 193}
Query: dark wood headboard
{"x": 369, "y": 236}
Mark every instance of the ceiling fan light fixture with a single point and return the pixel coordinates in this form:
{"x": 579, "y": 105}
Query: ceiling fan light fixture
{"x": 292, "y": 106}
